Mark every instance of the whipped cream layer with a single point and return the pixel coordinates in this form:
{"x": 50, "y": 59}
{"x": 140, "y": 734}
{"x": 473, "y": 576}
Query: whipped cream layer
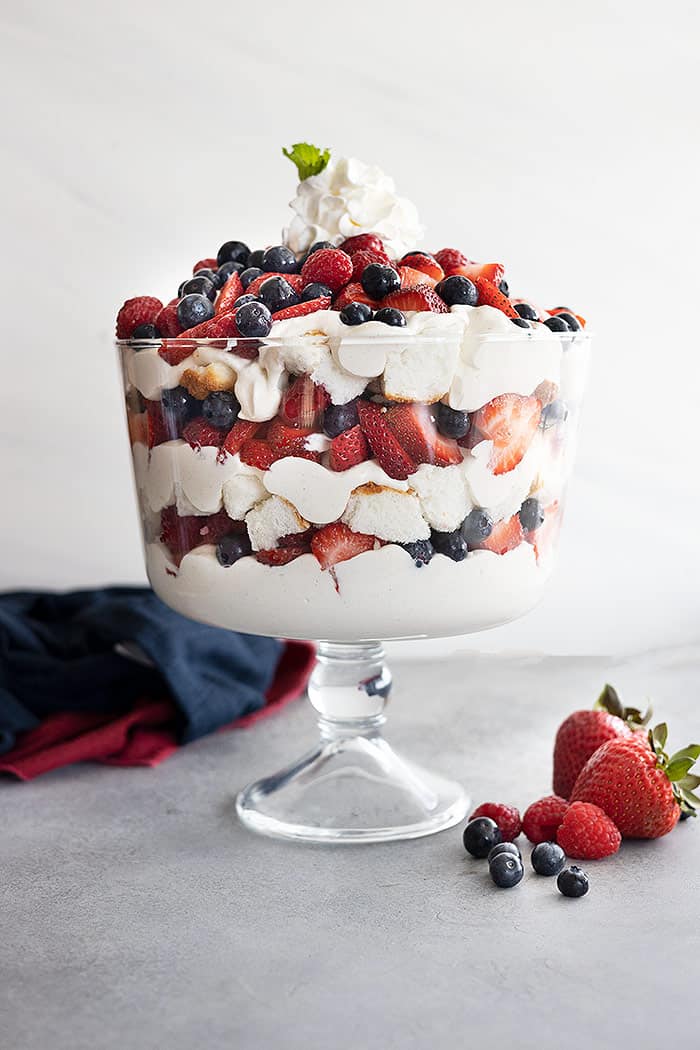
{"x": 380, "y": 594}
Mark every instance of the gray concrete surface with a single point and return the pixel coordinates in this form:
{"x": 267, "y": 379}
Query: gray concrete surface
{"x": 135, "y": 913}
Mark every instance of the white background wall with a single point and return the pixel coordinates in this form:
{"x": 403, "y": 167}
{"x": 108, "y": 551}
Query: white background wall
{"x": 559, "y": 138}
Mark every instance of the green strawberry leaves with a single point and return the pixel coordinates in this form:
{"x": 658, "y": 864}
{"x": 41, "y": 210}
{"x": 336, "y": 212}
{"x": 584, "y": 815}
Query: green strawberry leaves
{"x": 609, "y": 700}
{"x": 310, "y": 160}
{"x": 677, "y": 768}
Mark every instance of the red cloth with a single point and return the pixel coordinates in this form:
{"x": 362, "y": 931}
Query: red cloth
{"x": 144, "y": 736}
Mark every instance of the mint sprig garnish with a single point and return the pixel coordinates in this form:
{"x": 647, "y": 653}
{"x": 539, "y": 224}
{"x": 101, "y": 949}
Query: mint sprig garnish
{"x": 310, "y": 160}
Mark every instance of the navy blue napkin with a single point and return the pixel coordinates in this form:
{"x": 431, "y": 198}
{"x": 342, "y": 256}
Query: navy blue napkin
{"x": 69, "y": 652}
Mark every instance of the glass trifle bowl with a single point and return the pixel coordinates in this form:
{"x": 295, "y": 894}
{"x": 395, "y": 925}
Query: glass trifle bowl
{"x": 351, "y": 485}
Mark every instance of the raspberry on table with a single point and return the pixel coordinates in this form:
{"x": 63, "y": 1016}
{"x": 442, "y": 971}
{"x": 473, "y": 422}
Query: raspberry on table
{"x": 507, "y": 818}
{"x": 541, "y": 820}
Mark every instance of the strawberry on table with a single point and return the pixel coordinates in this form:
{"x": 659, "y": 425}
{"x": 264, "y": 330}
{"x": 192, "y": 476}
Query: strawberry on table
{"x": 348, "y": 449}
{"x": 505, "y": 536}
{"x": 510, "y": 421}
{"x": 328, "y": 266}
{"x": 587, "y": 833}
{"x": 416, "y": 431}
{"x": 419, "y": 298}
{"x": 337, "y": 542}
{"x": 388, "y": 451}
{"x": 144, "y": 309}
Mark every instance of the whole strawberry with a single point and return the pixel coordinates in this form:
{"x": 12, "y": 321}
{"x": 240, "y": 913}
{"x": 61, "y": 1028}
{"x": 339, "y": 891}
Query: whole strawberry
{"x": 641, "y": 788}
{"x": 583, "y": 732}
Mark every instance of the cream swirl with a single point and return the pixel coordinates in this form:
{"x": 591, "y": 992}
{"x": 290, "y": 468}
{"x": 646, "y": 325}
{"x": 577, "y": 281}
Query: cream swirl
{"x": 347, "y": 198}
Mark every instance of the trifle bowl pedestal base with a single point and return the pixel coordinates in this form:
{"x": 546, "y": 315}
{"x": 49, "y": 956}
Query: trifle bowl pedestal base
{"x": 352, "y": 787}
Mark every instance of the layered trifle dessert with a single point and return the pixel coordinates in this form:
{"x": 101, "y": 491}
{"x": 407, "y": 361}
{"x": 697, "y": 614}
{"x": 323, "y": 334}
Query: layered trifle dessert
{"x": 343, "y": 436}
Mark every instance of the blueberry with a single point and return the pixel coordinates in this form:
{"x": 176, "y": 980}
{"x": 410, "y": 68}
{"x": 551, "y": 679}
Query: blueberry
{"x": 356, "y": 313}
{"x": 458, "y": 290}
{"x": 477, "y": 526}
{"x": 214, "y": 276}
{"x": 557, "y": 324}
{"x": 225, "y": 271}
{"x": 254, "y": 320}
{"x": 339, "y": 418}
{"x": 378, "y": 280}
{"x": 572, "y": 321}
{"x": 547, "y": 858}
{"x": 506, "y": 870}
{"x": 194, "y": 309}
{"x": 505, "y": 847}
{"x": 480, "y": 836}
{"x": 531, "y": 514}
{"x": 198, "y": 286}
{"x": 255, "y": 258}
{"x": 572, "y": 882}
{"x": 232, "y": 547}
{"x": 526, "y": 311}
{"x": 554, "y": 413}
{"x": 318, "y": 246}
{"x": 249, "y": 275}
{"x": 451, "y": 544}
{"x": 279, "y": 259}
{"x": 389, "y": 315}
{"x": 277, "y": 293}
{"x": 420, "y": 550}
{"x": 247, "y": 297}
{"x": 178, "y": 405}
{"x": 316, "y": 291}
{"x": 145, "y": 331}
{"x": 233, "y": 251}
{"x": 521, "y": 322}
{"x": 503, "y": 288}
{"x": 451, "y": 422}
{"x": 220, "y": 408}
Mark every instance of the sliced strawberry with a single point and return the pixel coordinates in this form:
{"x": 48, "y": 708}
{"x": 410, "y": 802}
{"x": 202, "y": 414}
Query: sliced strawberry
{"x": 158, "y": 426}
{"x": 364, "y": 258}
{"x": 492, "y": 272}
{"x": 354, "y": 293}
{"x": 175, "y": 351}
{"x": 418, "y": 298}
{"x": 288, "y": 441}
{"x": 348, "y": 449}
{"x": 281, "y": 555}
{"x": 228, "y": 294}
{"x": 303, "y": 402}
{"x": 411, "y": 278}
{"x": 144, "y": 309}
{"x": 241, "y": 431}
{"x": 371, "y": 242}
{"x": 450, "y": 259}
{"x": 258, "y": 453}
{"x": 182, "y": 533}
{"x": 206, "y": 264}
{"x": 336, "y": 542}
{"x": 490, "y": 295}
{"x": 167, "y": 322}
{"x": 510, "y": 421}
{"x": 389, "y": 453}
{"x": 199, "y": 433}
{"x": 414, "y": 427}
{"x": 295, "y": 280}
{"x": 221, "y": 326}
{"x": 301, "y": 309}
{"x": 505, "y": 536}
{"x": 329, "y": 266}
{"x": 425, "y": 264}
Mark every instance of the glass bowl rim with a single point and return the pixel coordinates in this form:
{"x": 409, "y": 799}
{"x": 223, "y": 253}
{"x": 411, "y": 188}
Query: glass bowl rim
{"x": 580, "y": 336}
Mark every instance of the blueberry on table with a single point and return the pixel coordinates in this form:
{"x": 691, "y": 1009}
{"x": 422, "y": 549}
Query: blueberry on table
{"x": 547, "y": 858}
{"x": 233, "y": 251}
{"x": 480, "y": 836}
{"x": 225, "y": 271}
{"x": 451, "y": 422}
{"x": 451, "y": 544}
{"x": 194, "y": 309}
{"x": 457, "y": 290}
{"x": 526, "y": 311}
{"x": 572, "y": 882}
{"x": 339, "y": 418}
{"x": 254, "y": 320}
{"x": 531, "y": 514}
{"x": 233, "y": 547}
{"x": 199, "y": 286}
{"x": 355, "y": 313}
{"x": 249, "y": 275}
{"x": 506, "y": 870}
{"x": 145, "y": 331}
{"x": 378, "y": 280}
{"x": 277, "y": 293}
{"x": 505, "y": 847}
{"x": 279, "y": 259}
{"x": 557, "y": 324}
{"x": 477, "y": 526}
{"x": 221, "y": 408}
{"x": 420, "y": 550}
{"x": 315, "y": 290}
{"x": 391, "y": 316}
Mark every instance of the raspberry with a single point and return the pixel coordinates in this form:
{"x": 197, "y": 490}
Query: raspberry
{"x": 363, "y": 241}
{"x": 205, "y": 264}
{"x": 142, "y": 310}
{"x": 507, "y": 818}
{"x": 586, "y": 832}
{"x": 167, "y": 322}
{"x": 364, "y": 258}
{"x": 542, "y": 819}
{"x": 450, "y": 259}
{"x": 328, "y": 266}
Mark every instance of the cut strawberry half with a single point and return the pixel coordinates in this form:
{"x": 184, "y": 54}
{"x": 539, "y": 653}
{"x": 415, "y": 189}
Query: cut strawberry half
{"x": 425, "y": 264}
{"x": 144, "y": 309}
{"x": 336, "y": 542}
{"x": 363, "y": 241}
{"x": 364, "y": 258}
{"x": 510, "y": 421}
{"x": 354, "y": 293}
{"x": 388, "y": 451}
{"x": 301, "y": 309}
{"x": 419, "y": 298}
{"x": 348, "y": 449}
{"x": 199, "y": 433}
{"x": 295, "y": 280}
{"x": 175, "y": 351}
{"x": 280, "y": 555}
{"x": 492, "y": 272}
{"x": 414, "y": 427}
{"x": 505, "y": 536}
{"x": 411, "y": 278}
{"x": 258, "y": 453}
{"x": 206, "y": 264}
{"x": 167, "y": 322}
{"x": 228, "y": 294}
{"x": 451, "y": 259}
{"x": 304, "y": 402}
{"x": 221, "y": 326}
{"x": 490, "y": 295}
{"x": 241, "y": 431}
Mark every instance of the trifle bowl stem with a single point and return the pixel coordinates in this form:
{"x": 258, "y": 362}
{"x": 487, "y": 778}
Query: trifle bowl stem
{"x": 352, "y": 786}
